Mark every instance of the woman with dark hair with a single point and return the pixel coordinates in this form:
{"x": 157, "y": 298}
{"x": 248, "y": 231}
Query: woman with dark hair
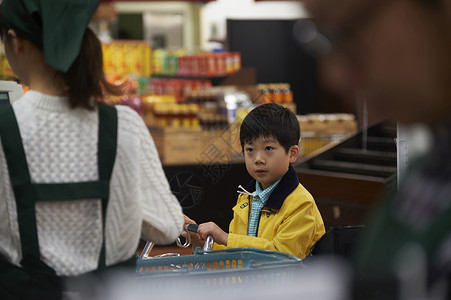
{"x": 81, "y": 181}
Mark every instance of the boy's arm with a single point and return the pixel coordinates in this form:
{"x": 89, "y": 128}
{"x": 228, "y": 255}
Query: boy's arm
{"x": 236, "y": 225}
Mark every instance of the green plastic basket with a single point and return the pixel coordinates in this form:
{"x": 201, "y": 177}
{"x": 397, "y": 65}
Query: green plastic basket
{"x": 214, "y": 261}
{"x": 219, "y": 273}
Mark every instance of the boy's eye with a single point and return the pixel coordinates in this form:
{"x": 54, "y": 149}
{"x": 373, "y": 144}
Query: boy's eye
{"x": 249, "y": 149}
{"x": 269, "y": 148}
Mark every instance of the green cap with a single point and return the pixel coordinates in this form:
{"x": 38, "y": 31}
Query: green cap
{"x": 58, "y": 26}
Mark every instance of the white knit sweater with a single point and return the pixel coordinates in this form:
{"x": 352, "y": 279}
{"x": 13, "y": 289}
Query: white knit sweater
{"x": 61, "y": 146}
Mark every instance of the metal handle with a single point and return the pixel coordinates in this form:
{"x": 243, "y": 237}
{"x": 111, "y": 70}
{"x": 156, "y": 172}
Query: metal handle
{"x": 208, "y": 243}
{"x": 187, "y": 241}
{"x": 146, "y": 250}
{"x": 166, "y": 255}
{"x": 149, "y": 245}
{"x": 188, "y": 228}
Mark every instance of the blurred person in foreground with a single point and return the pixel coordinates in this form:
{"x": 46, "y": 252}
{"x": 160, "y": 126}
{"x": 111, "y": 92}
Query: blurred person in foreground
{"x": 81, "y": 181}
{"x": 398, "y": 53}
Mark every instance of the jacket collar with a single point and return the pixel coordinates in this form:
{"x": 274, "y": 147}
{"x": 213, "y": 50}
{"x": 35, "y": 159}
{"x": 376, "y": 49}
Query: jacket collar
{"x": 286, "y": 186}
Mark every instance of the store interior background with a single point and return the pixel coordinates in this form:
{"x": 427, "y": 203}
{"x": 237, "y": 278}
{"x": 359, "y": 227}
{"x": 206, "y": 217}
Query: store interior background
{"x": 346, "y": 171}
{"x": 267, "y": 25}
{"x": 349, "y": 153}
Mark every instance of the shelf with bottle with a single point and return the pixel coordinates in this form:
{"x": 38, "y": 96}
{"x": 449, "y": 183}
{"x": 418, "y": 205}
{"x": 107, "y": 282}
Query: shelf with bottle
{"x": 137, "y": 58}
{"x": 164, "y": 112}
{"x": 170, "y": 103}
{"x": 179, "y": 88}
{"x": 319, "y": 130}
{"x": 279, "y": 93}
{"x": 204, "y": 65}
{"x": 159, "y": 108}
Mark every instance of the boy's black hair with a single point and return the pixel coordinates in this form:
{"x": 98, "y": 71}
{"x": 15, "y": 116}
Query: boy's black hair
{"x": 271, "y": 120}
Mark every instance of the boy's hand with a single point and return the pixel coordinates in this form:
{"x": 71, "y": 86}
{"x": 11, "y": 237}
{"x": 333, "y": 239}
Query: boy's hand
{"x": 219, "y": 236}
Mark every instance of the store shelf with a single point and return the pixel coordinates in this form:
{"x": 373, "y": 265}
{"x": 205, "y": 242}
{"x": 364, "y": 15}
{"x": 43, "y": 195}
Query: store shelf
{"x": 215, "y": 80}
{"x": 349, "y": 178}
{"x": 242, "y": 77}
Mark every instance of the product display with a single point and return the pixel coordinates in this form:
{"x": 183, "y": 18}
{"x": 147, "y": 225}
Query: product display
{"x": 210, "y": 64}
{"x": 165, "y": 61}
{"x": 194, "y": 106}
{"x": 127, "y": 58}
{"x": 159, "y": 113}
{"x": 275, "y": 93}
{"x": 130, "y": 95}
{"x": 318, "y": 130}
{"x": 173, "y": 108}
{"x": 179, "y": 88}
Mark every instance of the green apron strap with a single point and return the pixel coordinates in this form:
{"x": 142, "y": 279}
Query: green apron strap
{"x": 21, "y": 182}
{"x": 106, "y": 157}
{"x": 107, "y": 140}
{"x": 71, "y": 191}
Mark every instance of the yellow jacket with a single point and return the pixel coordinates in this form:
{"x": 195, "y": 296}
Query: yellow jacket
{"x": 290, "y": 222}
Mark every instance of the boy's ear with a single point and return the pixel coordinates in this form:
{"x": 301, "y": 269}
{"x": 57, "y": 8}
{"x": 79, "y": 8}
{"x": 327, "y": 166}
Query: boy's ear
{"x": 294, "y": 153}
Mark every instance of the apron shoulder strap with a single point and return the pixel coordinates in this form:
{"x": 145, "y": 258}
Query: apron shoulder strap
{"x": 12, "y": 146}
{"x": 106, "y": 158}
{"x": 107, "y": 140}
{"x": 21, "y": 183}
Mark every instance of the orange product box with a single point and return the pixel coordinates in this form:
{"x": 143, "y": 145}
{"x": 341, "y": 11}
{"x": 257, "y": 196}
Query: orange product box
{"x": 203, "y": 65}
{"x": 211, "y": 66}
{"x": 229, "y": 63}
{"x": 236, "y": 61}
{"x": 220, "y": 64}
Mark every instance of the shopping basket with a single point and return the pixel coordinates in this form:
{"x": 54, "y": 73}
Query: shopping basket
{"x": 214, "y": 260}
{"x": 207, "y": 260}
{"x": 241, "y": 273}
{"x": 220, "y": 272}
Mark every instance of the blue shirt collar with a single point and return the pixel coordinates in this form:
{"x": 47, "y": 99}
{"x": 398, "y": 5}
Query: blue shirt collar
{"x": 264, "y": 194}
{"x": 286, "y": 186}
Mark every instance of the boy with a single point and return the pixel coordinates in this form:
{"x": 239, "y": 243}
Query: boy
{"x": 274, "y": 211}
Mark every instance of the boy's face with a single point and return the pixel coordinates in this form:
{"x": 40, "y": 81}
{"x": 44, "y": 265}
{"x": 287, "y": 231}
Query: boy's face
{"x": 267, "y": 160}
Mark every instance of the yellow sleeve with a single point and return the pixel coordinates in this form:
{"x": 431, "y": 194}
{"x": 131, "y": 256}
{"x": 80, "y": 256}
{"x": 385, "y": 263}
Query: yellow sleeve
{"x": 238, "y": 225}
{"x": 219, "y": 247}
